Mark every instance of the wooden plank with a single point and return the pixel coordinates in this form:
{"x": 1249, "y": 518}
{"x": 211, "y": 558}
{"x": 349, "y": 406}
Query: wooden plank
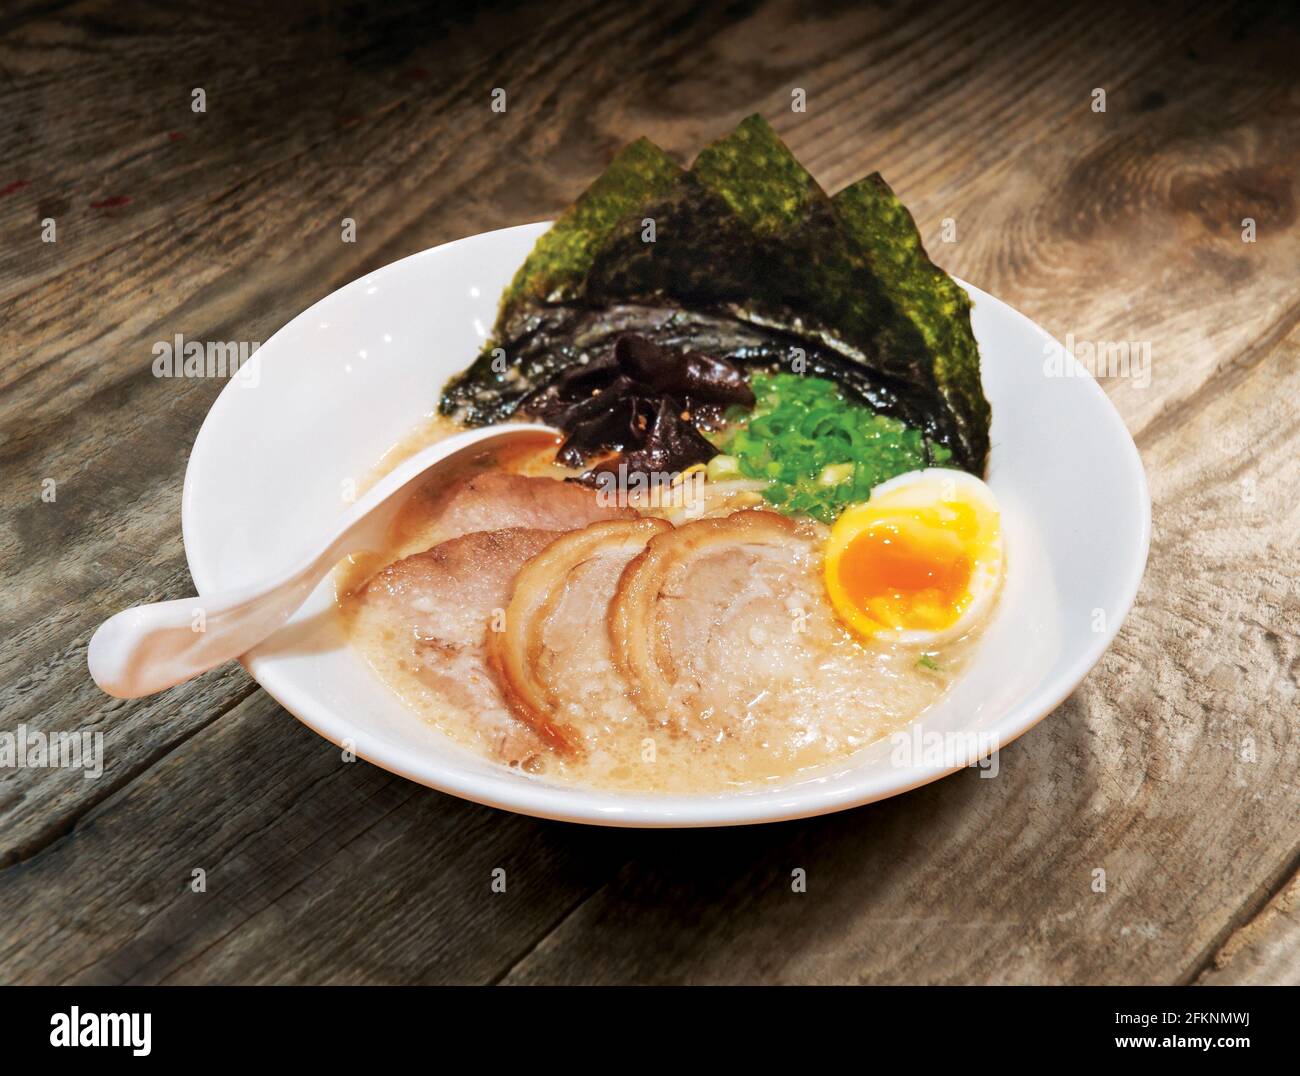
{"x": 1004, "y": 865}
{"x": 256, "y": 245}
{"x": 321, "y": 90}
{"x": 80, "y": 406}
{"x": 315, "y": 870}
{"x": 1127, "y": 226}
{"x": 270, "y": 97}
{"x": 1172, "y": 769}
{"x": 1266, "y": 950}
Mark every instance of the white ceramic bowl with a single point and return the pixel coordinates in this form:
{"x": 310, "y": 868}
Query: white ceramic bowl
{"x": 338, "y": 385}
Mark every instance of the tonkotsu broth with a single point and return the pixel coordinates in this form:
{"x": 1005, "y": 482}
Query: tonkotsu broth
{"x": 858, "y": 695}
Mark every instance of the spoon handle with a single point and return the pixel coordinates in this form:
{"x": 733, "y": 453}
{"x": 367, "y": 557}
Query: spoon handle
{"x": 153, "y": 647}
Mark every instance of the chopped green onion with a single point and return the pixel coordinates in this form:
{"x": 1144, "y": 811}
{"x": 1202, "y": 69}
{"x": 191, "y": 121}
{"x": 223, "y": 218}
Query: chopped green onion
{"x": 721, "y": 468}
{"x": 835, "y": 473}
{"x": 818, "y": 450}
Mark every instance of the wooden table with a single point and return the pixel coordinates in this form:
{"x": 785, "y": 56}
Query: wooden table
{"x": 1172, "y": 769}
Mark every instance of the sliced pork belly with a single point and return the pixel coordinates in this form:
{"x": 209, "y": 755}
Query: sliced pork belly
{"x": 716, "y": 614}
{"x": 493, "y": 500}
{"x": 553, "y": 660}
{"x": 445, "y": 601}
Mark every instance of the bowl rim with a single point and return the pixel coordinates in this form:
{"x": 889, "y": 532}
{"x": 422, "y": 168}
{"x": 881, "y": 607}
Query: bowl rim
{"x": 512, "y": 792}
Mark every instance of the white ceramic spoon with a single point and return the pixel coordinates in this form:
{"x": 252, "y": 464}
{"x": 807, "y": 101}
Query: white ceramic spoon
{"x": 153, "y": 647}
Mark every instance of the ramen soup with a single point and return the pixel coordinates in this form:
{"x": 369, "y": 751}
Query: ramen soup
{"x": 679, "y": 636}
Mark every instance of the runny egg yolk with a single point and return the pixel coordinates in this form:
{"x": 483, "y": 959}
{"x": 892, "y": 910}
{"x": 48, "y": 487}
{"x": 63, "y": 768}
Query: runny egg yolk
{"x": 920, "y": 562}
{"x": 910, "y": 569}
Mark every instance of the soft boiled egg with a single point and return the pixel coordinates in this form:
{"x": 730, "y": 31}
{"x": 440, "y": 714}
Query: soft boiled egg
{"x": 920, "y": 562}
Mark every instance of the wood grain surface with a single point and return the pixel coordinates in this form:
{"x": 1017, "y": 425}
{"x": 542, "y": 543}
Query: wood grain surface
{"x": 1172, "y": 769}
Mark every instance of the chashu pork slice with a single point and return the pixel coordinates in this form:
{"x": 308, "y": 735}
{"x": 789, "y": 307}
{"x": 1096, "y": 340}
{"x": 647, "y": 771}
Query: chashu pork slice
{"x": 493, "y": 500}
{"x": 717, "y": 615}
{"x": 553, "y": 661}
{"x": 445, "y": 601}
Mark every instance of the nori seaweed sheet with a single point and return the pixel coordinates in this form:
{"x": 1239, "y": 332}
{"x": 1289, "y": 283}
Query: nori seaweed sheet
{"x": 751, "y": 262}
{"x": 559, "y": 262}
{"x": 923, "y": 293}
